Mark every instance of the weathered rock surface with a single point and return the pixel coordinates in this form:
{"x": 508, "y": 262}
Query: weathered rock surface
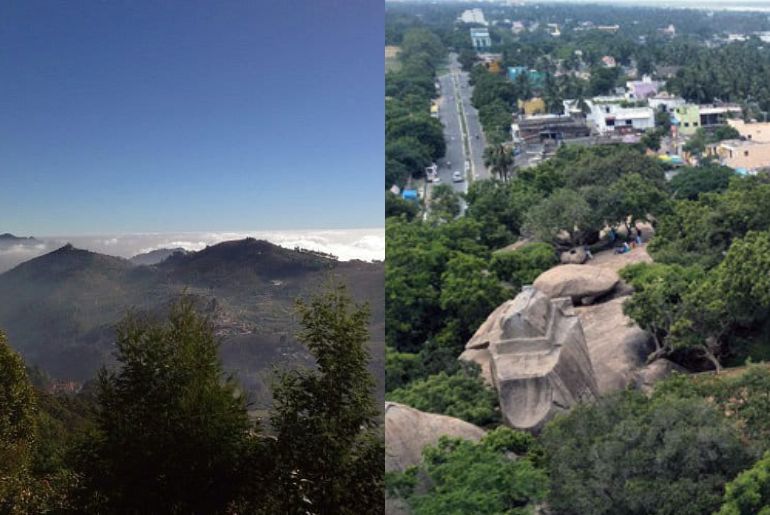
{"x": 575, "y": 256}
{"x": 576, "y": 281}
{"x": 539, "y": 360}
{"x": 656, "y": 371}
{"x": 482, "y": 358}
{"x": 408, "y": 431}
{"x": 618, "y": 347}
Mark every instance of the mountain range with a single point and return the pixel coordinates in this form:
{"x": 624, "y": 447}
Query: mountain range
{"x": 60, "y": 309}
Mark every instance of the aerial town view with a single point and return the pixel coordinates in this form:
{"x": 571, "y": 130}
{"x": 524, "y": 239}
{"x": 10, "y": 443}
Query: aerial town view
{"x": 577, "y": 258}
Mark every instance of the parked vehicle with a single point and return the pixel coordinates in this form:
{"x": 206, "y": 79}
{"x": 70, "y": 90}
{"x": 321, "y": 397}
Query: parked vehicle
{"x": 457, "y": 176}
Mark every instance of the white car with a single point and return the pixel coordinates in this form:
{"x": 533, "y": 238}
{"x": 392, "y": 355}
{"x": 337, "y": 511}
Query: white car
{"x": 436, "y": 180}
{"x": 457, "y": 177}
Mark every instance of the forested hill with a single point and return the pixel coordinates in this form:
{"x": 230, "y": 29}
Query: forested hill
{"x": 60, "y": 309}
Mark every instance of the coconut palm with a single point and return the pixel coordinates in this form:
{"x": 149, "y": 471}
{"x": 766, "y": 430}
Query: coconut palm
{"x": 500, "y": 160}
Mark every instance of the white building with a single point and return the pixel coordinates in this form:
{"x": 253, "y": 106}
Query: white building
{"x": 480, "y": 39}
{"x": 664, "y": 101}
{"x": 607, "y": 115}
{"x": 473, "y": 16}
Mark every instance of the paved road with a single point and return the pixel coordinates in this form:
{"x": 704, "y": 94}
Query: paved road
{"x": 449, "y": 115}
{"x": 476, "y": 136}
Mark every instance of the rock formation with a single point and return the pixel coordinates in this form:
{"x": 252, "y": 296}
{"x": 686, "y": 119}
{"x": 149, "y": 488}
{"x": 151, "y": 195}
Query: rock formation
{"x": 539, "y": 362}
{"x": 575, "y": 256}
{"x": 577, "y": 282}
{"x": 408, "y": 431}
{"x": 618, "y": 347}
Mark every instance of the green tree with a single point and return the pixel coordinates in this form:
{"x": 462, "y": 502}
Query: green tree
{"x": 749, "y": 493}
{"x": 500, "y": 161}
{"x": 17, "y": 430}
{"x": 522, "y": 266}
{"x": 462, "y": 395}
{"x": 562, "y": 218}
{"x": 444, "y": 203}
{"x": 651, "y": 140}
{"x": 396, "y": 206}
{"x": 632, "y": 198}
{"x": 657, "y": 303}
{"x": 328, "y": 447}
{"x": 469, "y": 477}
{"x": 633, "y": 455}
{"x": 690, "y": 182}
{"x": 171, "y": 428}
{"x": 469, "y": 292}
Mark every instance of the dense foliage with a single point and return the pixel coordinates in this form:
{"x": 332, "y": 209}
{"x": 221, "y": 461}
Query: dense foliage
{"x": 634, "y": 455}
{"x": 168, "y": 432}
{"x": 468, "y": 477}
{"x": 462, "y": 395}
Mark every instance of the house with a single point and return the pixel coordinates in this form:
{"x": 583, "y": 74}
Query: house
{"x": 642, "y": 89}
{"x": 480, "y": 38}
{"x": 473, "y": 16}
{"x": 690, "y": 117}
{"x": 756, "y": 131}
{"x": 518, "y": 27}
{"x": 548, "y": 127}
{"x": 610, "y": 115}
{"x": 742, "y": 154}
{"x": 717, "y": 114}
{"x": 536, "y": 78}
{"x": 665, "y": 102}
{"x": 608, "y": 28}
{"x": 608, "y": 61}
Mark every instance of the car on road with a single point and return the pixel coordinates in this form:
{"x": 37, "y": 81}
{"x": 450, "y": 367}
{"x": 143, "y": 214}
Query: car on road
{"x": 436, "y": 179}
{"x": 457, "y": 176}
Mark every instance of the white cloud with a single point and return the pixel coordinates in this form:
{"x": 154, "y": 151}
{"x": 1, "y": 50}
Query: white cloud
{"x": 364, "y": 244}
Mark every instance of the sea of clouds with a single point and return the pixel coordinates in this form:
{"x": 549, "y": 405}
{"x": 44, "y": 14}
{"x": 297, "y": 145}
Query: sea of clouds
{"x": 347, "y": 244}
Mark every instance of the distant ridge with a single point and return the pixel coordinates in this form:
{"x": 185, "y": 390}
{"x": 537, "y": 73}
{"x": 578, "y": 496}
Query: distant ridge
{"x": 11, "y": 238}
{"x": 59, "y": 309}
{"x": 154, "y": 257}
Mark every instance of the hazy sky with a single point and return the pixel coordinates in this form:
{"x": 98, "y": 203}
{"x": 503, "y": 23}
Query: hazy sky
{"x": 133, "y": 116}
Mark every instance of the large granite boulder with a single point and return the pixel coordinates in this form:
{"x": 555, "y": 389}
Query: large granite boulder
{"x": 575, "y": 256}
{"x": 618, "y": 347}
{"x": 577, "y": 282}
{"x": 539, "y": 361}
{"x": 408, "y": 431}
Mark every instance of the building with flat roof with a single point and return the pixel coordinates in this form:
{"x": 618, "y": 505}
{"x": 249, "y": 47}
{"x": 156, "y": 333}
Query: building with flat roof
{"x": 548, "y": 127}
{"x": 666, "y": 102}
{"x": 480, "y": 38}
{"x": 473, "y": 16}
{"x": 642, "y": 89}
{"x": 611, "y": 115}
{"x": 755, "y": 131}
{"x": 689, "y": 117}
{"x": 742, "y": 154}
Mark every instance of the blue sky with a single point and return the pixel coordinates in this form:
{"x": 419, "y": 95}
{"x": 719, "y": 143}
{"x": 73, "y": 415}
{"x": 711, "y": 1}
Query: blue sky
{"x": 126, "y": 116}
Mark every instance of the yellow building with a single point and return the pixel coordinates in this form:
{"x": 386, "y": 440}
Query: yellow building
{"x": 759, "y": 132}
{"x": 532, "y": 106}
{"x": 742, "y": 154}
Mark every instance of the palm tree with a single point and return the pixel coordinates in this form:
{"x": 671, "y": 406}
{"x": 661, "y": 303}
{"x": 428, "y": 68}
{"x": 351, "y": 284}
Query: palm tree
{"x": 500, "y": 160}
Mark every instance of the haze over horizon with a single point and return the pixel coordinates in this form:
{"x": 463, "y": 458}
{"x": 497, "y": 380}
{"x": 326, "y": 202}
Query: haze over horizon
{"x": 124, "y": 117}
{"x": 361, "y": 244}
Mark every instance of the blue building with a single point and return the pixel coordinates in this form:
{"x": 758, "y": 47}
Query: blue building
{"x": 536, "y": 78}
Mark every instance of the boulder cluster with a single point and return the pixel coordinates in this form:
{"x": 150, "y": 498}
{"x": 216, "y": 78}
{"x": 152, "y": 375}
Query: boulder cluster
{"x": 560, "y": 341}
